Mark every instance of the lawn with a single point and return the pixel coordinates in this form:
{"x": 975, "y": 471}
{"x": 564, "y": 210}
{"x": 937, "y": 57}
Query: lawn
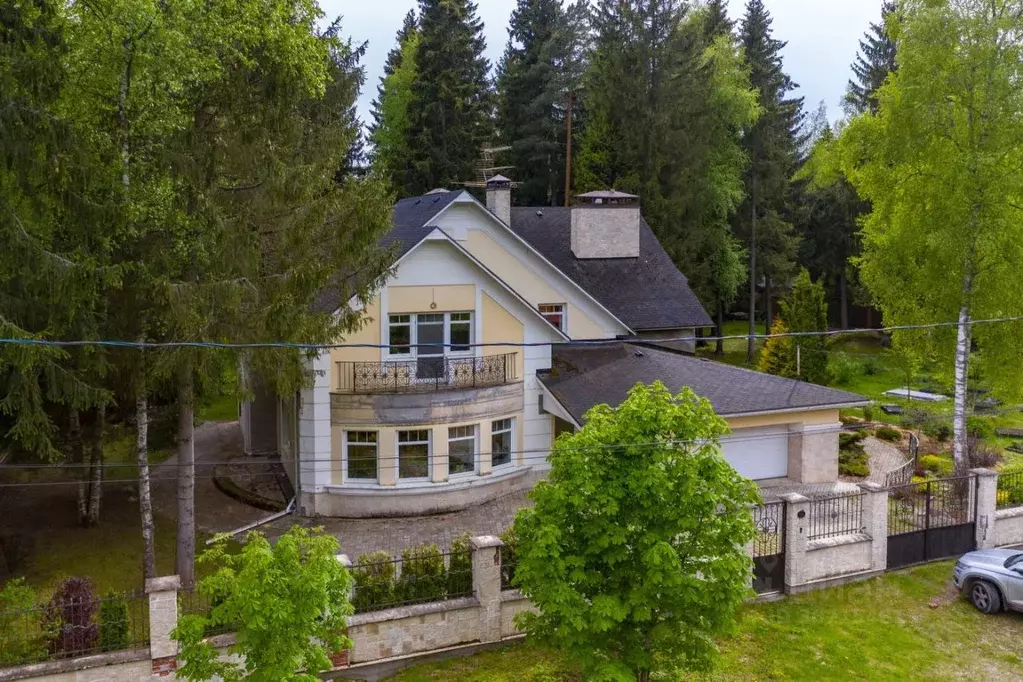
{"x": 883, "y": 629}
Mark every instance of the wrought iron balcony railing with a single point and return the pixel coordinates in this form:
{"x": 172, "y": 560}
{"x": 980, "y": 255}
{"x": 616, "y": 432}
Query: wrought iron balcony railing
{"x": 426, "y": 374}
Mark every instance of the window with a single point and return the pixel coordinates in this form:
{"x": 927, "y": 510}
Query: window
{"x": 501, "y": 442}
{"x": 360, "y": 455}
{"x": 414, "y": 454}
{"x": 554, "y": 313}
{"x": 461, "y": 450}
{"x": 430, "y": 334}
{"x": 401, "y": 335}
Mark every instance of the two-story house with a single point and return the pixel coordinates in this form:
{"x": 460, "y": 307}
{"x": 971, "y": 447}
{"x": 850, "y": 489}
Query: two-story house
{"x": 426, "y": 411}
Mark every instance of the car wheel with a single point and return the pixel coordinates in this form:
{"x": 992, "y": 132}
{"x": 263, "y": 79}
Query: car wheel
{"x": 985, "y": 597}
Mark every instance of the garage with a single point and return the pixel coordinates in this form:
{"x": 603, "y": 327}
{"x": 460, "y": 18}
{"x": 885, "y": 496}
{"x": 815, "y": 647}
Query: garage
{"x": 758, "y": 453}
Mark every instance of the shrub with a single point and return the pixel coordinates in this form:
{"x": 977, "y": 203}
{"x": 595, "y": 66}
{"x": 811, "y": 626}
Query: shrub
{"x": 871, "y": 367}
{"x": 980, "y": 427}
{"x": 460, "y": 566}
{"x": 113, "y": 623}
{"x": 937, "y": 465}
{"x": 914, "y": 417}
{"x": 843, "y": 369}
{"x": 868, "y": 412}
{"x": 779, "y": 354}
{"x": 19, "y": 624}
{"x": 852, "y": 463}
{"x": 939, "y": 431}
{"x": 508, "y": 558}
{"x": 374, "y": 581}
{"x": 980, "y": 454}
{"x": 422, "y": 574}
{"x": 888, "y": 433}
{"x": 851, "y": 441}
{"x": 69, "y": 618}
{"x": 848, "y": 420}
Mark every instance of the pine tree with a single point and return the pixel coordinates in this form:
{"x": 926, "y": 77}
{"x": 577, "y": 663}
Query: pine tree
{"x": 874, "y": 61}
{"x": 540, "y": 70}
{"x": 772, "y": 145}
{"x": 716, "y": 20}
{"x": 450, "y": 107}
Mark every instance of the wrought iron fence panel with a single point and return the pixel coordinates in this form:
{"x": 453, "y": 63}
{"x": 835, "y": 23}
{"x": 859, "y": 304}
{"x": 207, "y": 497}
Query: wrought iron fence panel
{"x": 1010, "y": 490}
{"x": 769, "y": 521}
{"x": 935, "y": 503}
{"x": 411, "y": 580}
{"x": 835, "y": 516}
{"x": 74, "y": 628}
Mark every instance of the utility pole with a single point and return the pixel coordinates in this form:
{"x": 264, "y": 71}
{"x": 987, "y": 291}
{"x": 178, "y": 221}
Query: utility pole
{"x": 568, "y": 151}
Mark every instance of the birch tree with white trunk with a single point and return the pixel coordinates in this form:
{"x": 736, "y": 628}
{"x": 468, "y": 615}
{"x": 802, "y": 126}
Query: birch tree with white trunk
{"x": 941, "y": 162}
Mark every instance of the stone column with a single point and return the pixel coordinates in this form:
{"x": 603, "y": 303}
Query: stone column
{"x": 875, "y": 523}
{"x": 163, "y": 617}
{"x": 987, "y": 502}
{"x": 797, "y": 510}
{"x": 486, "y": 584}
{"x": 484, "y": 447}
{"x": 314, "y": 436}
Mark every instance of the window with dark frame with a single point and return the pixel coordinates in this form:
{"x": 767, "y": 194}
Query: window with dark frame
{"x": 414, "y": 454}
{"x": 554, "y": 313}
{"x": 500, "y": 442}
{"x": 360, "y": 455}
{"x": 430, "y": 334}
{"x": 461, "y": 449}
{"x": 400, "y": 335}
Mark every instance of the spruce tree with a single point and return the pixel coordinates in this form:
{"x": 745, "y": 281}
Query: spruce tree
{"x": 395, "y": 59}
{"x": 390, "y": 132}
{"x": 772, "y": 145}
{"x": 540, "y": 70}
{"x": 450, "y": 107}
{"x": 874, "y": 61}
{"x": 716, "y": 20}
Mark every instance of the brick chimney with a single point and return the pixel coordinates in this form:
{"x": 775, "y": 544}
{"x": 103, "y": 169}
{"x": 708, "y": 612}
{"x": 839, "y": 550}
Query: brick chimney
{"x": 605, "y": 224}
{"x": 499, "y": 197}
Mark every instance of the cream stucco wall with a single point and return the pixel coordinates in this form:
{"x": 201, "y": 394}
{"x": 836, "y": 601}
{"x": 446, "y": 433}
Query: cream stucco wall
{"x": 368, "y": 334}
{"x": 807, "y": 418}
{"x": 431, "y": 299}
{"x": 499, "y": 326}
{"x": 530, "y": 284}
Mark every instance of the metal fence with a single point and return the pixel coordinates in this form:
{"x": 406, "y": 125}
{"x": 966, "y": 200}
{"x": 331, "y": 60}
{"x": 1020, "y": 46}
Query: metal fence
{"x": 769, "y": 520}
{"x": 73, "y": 628}
{"x": 1010, "y": 490}
{"x": 834, "y": 516}
{"x": 509, "y": 562}
{"x": 904, "y": 474}
{"x": 194, "y": 603}
{"x": 426, "y": 374}
{"x": 420, "y": 576}
{"x": 936, "y": 503}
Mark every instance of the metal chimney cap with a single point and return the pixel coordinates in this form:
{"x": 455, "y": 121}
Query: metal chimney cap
{"x": 499, "y": 181}
{"x": 607, "y": 194}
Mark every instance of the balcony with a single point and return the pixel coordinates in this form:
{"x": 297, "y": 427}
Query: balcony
{"x": 426, "y": 374}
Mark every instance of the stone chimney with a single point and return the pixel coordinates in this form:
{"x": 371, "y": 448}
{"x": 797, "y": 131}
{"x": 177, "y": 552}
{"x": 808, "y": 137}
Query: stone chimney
{"x": 499, "y": 197}
{"x": 605, "y": 224}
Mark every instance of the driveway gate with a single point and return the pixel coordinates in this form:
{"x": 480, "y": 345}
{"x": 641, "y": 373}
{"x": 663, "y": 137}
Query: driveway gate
{"x": 931, "y": 520}
{"x": 769, "y": 548}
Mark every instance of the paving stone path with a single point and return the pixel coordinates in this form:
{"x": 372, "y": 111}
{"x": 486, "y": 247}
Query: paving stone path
{"x": 883, "y": 457}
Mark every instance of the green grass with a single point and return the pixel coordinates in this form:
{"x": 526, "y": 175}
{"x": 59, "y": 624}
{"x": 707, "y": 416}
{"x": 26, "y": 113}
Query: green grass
{"x": 223, "y": 409}
{"x": 883, "y": 629}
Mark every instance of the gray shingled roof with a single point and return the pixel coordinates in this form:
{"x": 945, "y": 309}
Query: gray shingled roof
{"x": 582, "y": 377}
{"x": 410, "y": 226}
{"x": 645, "y": 293}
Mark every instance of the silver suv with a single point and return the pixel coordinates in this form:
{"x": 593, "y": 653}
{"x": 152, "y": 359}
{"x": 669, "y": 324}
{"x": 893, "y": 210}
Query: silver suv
{"x": 992, "y": 579}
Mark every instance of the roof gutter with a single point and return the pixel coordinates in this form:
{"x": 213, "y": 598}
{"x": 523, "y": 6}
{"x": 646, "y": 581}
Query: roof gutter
{"x": 790, "y": 410}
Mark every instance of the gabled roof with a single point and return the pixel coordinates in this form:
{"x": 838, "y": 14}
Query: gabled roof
{"x": 584, "y": 376}
{"x": 646, "y": 293}
{"x": 411, "y": 220}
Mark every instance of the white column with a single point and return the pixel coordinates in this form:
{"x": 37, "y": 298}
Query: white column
{"x": 315, "y": 451}
{"x": 486, "y": 584}
{"x": 875, "y": 520}
{"x": 987, "y": 503}
{"x": 797, "y": 510}
{"x": 163, "y": 618}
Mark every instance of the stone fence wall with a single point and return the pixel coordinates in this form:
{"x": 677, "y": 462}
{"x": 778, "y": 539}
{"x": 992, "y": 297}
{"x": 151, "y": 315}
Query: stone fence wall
{"x": 397, "y": 635}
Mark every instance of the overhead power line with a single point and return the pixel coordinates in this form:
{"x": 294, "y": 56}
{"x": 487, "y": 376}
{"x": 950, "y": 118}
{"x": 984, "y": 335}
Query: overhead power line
{"x": 499, "y": 344}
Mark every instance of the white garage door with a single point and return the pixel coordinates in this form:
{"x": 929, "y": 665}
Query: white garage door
{"x": 758, "y": 453}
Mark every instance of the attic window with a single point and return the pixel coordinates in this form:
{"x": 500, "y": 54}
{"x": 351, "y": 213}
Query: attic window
{"x": 554, "y": 313}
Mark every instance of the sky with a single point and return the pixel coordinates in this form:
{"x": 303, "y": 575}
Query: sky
{"x": 822, "y": 38}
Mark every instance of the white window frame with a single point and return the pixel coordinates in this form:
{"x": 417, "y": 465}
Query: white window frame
{"x": 474, "y": 439}
{"x": 559, "y": 309}
{"x": 414, "y": 335}
{"x": 511, "y": 442}
{"x": 345, "y": 478}
{"x": 397, "y": 455}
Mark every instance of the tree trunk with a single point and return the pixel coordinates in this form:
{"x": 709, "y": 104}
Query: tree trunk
{"x": 960, "y": 449}
{"x": 145, "y": 499}
{"x": 843, "y": 301}
{"x": 768, "y": 309}
{"x": 642, "y": 676}
{"x": 96, "y": 467}
{"x": 186, "y": 478}
{"x": 77, "y": 447}
{"x": 751, "y": 350}
{"x": 719, "y": 345}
